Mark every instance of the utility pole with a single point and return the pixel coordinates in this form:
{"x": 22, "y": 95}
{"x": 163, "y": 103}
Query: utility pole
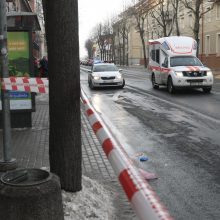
{"x": 7, "y": 162}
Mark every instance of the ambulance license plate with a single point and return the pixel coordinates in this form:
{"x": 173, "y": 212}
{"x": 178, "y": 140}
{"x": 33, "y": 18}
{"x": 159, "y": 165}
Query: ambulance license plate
{"x": 196, "y": 83}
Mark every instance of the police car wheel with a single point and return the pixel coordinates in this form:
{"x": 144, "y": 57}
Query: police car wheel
{"x": 122, "y": 86}
{"x": 91, "y": 85}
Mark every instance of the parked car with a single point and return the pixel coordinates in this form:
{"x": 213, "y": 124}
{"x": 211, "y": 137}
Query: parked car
{"x": 105, "y": 74}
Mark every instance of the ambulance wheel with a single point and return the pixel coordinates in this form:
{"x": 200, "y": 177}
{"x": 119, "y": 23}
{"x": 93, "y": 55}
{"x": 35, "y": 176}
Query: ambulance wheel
{"x": 170, "y": 87}
{"x": 207, "y": 90}
{"x": 155, "y": 86}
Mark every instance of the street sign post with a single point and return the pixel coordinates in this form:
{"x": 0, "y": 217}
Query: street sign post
{"x": 8, "y": 162}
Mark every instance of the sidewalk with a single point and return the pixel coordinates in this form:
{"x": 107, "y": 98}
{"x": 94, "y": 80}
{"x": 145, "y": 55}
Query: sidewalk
{"x": 31, "y": 145}
{"x": 216, "y": 74}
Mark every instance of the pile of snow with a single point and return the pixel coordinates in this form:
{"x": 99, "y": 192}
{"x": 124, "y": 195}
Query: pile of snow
{"x": 93, "y": 202}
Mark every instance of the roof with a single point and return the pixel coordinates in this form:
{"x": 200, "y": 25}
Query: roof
{"x": 36, "y": 24}
{"x": 171, "y": 39}
{"x": 177, "y": 44}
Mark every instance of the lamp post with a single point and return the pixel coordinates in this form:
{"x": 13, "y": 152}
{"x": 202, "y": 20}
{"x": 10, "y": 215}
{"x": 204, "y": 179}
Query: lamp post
{"x": 8, "y": 162}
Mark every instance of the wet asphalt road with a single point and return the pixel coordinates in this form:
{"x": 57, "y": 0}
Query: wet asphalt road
{"x": 180, "y": 135}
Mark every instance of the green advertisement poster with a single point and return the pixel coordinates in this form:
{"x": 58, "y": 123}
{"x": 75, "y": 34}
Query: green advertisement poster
{"x": 19, "y": 55}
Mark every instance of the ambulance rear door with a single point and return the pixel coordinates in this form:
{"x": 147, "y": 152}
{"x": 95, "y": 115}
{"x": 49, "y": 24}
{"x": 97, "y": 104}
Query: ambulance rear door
{"x": 155, "y": 62}
{"x": 164, "y": 63}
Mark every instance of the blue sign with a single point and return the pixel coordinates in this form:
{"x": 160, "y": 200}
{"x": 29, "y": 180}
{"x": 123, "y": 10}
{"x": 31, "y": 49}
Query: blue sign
{"x": 19, "y": 95}
{"x": 97, "y": 61}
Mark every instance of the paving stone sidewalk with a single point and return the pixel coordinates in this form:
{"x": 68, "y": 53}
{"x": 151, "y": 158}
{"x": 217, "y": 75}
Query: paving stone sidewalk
{"x": 31, "y": 146}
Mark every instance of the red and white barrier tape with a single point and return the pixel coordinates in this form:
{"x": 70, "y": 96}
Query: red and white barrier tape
{"x": 38, "y": 85}
{"x": 143, "y": 199}
{"x": 140, "y": 194}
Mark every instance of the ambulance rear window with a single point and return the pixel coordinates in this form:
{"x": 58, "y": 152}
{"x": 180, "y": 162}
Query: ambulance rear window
{"x": 165, "y": 45}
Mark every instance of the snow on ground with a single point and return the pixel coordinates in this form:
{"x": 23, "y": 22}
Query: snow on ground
{"x": 92, "y": 202}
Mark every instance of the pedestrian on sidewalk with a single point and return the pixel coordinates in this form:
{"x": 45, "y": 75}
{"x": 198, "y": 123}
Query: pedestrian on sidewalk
{"x": 44, "y": 67}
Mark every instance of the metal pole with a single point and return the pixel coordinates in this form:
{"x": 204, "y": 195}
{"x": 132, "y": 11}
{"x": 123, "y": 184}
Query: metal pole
{"x": 7, "y": 158}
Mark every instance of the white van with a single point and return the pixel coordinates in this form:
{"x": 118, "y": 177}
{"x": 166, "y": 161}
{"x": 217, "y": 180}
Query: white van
{"x": 173, "y": 63}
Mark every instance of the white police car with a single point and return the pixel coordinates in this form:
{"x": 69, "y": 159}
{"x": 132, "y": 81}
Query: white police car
{"x": 105, "y": 75}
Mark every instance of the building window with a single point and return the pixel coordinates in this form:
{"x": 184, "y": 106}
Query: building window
{"x": 218, "y": 11}
{"x": 207, "y": 44}
{"x": 218, "y": 44}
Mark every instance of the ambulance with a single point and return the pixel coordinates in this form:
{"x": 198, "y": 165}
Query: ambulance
{"x": 173, "y": 63}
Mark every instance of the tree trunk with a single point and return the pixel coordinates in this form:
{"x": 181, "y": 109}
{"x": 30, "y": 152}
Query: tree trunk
{"x": 101, "y": 54}
{"x": 123, "y": 48}
{"x": 196, "y": 31}
{"x": 119, "y": 52}
{"x": 127, "y": 52}
{"x": 177, "y": 27}
{"x": 144, "y": 49}
{"x": 65, "y": 152}
{"x": 176, "y": 18}
{"x": 113, "y": 49}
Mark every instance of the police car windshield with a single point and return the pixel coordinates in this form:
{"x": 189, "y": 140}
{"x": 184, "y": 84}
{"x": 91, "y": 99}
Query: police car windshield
{"x": 104, "y": 68}
{"x": 185, "y": 61}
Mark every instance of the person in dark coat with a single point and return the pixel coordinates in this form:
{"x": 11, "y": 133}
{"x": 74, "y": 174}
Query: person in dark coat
{"x": 44, "y": 67}
{"x": 36, "y": 67}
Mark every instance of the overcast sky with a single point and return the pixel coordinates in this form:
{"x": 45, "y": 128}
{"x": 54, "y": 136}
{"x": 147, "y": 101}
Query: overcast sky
{"x": 92, "y": 12}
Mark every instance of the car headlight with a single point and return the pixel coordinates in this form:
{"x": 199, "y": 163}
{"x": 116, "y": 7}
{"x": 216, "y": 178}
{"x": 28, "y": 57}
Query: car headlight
{"x": 119, "y": 76}
{"x": 95, "y": 77}
{"x": 209, "y": 73}
{"x": 178, "y": 73}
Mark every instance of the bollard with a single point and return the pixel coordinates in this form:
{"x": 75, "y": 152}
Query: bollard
{"x": 30, "y": 194}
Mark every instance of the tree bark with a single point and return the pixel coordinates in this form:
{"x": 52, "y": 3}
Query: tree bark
{"x": 144, "y": 49}
{"x": 65, "y": 152}
{"x": 123, "y": 47}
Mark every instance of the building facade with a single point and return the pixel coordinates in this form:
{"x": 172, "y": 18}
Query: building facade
{"x": 209, "y": 33}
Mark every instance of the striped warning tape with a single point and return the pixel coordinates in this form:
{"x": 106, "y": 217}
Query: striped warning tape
{"x": 143, "y": 199}
{"x": 140, "y": 194}
{"x": 38, "y": 85}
